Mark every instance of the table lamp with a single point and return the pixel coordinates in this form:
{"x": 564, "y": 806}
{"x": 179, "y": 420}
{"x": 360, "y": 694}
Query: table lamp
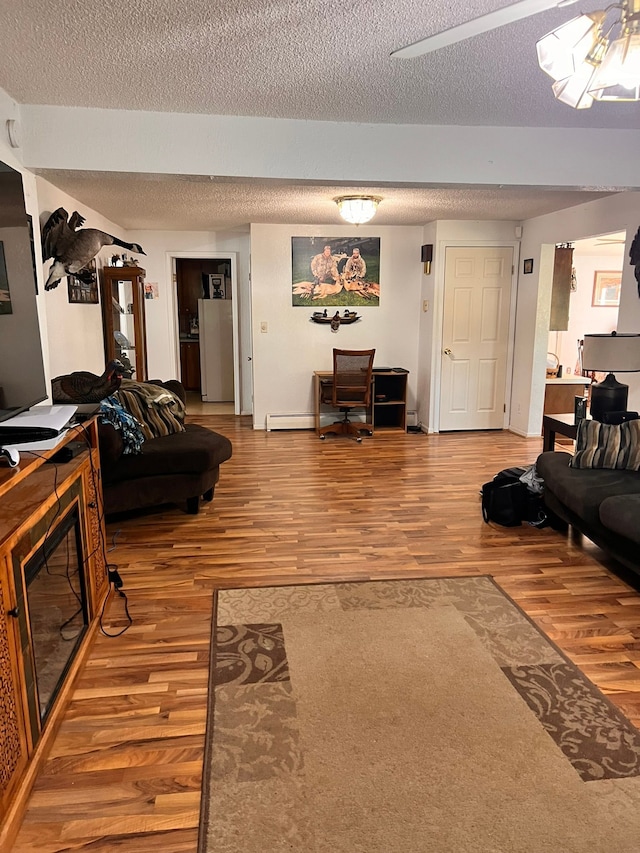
{"x": 613, "y": 352}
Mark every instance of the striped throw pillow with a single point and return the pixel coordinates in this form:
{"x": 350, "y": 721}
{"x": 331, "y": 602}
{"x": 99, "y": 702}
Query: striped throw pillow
{"x": 607, "y": 445}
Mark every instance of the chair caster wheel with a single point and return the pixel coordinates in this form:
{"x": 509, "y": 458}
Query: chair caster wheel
{"x": 359, "y": 439}
{"x": 322, "y": 437}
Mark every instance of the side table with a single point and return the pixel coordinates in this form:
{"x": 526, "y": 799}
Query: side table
{"x": 552, "y": 424}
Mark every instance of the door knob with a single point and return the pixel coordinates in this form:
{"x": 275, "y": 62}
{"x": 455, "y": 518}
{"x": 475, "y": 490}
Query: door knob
{"x": 448, "y": 352}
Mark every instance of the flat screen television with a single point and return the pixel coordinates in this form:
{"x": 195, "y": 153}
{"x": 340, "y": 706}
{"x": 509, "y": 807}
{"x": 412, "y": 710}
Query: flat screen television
{"x": 22, "y": 376}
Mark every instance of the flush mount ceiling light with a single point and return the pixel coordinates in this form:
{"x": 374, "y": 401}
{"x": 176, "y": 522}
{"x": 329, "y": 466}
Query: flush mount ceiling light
{"x": 358, "y": 209}
{"x": 595, "y": 57}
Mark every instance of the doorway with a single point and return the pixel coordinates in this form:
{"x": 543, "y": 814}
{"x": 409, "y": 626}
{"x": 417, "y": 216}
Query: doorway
{"x": 206, "y": 328}
{"x": 475, "y": 337}
{"x": 593, "y": 298}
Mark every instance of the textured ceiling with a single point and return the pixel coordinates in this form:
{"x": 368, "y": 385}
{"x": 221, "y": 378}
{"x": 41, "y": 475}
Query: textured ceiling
{"x": 197, "y": 203}
{"x": 310, "y": 59}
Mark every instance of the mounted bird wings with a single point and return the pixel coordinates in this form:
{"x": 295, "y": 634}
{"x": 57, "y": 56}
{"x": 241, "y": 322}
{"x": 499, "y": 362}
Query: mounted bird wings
{"x": 56, "y": 232}
{"x": 72, "y": 249}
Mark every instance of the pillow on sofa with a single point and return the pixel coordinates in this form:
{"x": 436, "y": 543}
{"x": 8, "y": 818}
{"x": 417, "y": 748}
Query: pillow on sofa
{"x": 159, "y": 411}
{"x": 607, "y": 445}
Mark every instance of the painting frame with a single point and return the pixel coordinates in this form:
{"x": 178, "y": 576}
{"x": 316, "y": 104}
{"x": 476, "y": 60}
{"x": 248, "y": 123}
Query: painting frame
{"x": 340, "y": 286}
{"x": 606, "y": 288}
{"x": 84, "y": 291}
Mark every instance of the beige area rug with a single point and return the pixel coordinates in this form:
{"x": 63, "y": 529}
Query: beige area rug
{"x": 418, "y": 716}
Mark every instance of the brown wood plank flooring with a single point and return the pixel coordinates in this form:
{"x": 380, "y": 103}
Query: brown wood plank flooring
{"x": 124, "y": 771}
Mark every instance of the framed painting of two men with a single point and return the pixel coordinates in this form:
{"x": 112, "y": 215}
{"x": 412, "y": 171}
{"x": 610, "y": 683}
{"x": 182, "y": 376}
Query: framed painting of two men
{"x": 335, "y": 271}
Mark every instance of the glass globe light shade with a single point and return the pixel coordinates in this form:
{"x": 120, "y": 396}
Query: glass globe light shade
{"x": 562, "y": 50}
{"x": 618, "y": 77}
{"x": 357, "y": 209}
{"x": 574, "y": 90}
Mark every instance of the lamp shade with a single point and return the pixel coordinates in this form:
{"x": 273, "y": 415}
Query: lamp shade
{"x": 357, "y": 209}
{"x": 611, "y": 353}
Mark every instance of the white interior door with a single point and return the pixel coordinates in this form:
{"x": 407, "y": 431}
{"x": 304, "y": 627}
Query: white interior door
{"x": 477, "y": 293}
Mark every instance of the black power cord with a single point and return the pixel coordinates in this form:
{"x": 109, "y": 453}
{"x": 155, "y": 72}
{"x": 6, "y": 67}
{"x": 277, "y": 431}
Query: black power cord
{"x": 115, "y": 581}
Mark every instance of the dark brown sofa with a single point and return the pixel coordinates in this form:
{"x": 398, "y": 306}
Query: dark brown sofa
{"x": 177, "y": 468}
{"x": 603, "y": 504}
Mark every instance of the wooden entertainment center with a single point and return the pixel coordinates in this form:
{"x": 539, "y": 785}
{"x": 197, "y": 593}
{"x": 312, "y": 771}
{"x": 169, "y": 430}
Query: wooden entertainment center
{"x": 38, "y": 498}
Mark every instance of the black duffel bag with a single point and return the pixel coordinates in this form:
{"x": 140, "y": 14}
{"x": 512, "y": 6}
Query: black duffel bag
{"x": 507, "y": 501}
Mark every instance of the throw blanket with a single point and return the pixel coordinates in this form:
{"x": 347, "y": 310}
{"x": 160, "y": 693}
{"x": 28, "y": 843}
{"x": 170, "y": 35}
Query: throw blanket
{"x": 111, "y": 412}
{"x": 158, "y": 410}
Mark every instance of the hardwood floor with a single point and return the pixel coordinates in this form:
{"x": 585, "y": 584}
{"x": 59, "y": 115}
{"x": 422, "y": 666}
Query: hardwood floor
{"x": 124, "y": 770}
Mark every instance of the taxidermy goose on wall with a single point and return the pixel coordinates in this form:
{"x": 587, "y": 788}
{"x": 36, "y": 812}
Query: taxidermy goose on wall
{"x": 71, "y": 249}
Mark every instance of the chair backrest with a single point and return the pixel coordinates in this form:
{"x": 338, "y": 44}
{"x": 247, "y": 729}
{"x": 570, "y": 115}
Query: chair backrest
{"x": 352, "y": 371}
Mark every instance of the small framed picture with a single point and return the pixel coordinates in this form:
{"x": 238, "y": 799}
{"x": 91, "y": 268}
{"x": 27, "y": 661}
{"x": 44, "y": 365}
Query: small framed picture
{"x": 217, "y": 289}
{"x": 527, "y": 266}
{"x": 83, "y": 287}
{"x": 606, "y": 289}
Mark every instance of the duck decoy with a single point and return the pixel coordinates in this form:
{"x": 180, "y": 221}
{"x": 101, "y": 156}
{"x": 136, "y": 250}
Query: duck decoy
{"x": 71, "y": 249}
{"x": 84, "y": 387}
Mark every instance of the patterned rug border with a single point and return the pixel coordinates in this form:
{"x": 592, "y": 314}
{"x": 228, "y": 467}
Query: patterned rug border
{"x": 209, "y": 730}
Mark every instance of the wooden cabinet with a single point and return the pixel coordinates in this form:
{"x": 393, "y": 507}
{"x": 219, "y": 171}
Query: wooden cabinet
{"x": 390, "y": 400}
{"x": 14, "y": 742}
{"x": 190, "y": 365}
{"x": 561, "y": 289}
{"x": 47, "y": 512}
{"x": 560, "y": 394}
{"x": 123, "y": 320}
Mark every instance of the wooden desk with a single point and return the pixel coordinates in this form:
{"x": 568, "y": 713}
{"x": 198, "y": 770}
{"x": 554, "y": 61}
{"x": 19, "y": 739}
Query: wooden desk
{"x": 389, "y": 413}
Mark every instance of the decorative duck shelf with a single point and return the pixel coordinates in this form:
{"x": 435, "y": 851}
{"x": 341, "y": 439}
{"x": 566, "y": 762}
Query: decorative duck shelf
{"x": 335, "y": 320}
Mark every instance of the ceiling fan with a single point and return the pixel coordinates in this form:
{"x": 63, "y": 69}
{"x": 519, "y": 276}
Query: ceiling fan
{"x": 594, "y": 57}
{"x": 484, "y": 23}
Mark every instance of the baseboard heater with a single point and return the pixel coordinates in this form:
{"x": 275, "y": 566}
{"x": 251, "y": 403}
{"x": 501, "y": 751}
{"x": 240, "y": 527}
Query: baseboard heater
{"x": 299, "y": 420}
{"x": 306, "y": 420}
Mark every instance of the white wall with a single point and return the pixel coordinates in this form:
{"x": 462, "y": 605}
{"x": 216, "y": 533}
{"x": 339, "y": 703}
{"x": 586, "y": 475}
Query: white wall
{"x": 426, "y": 332}
{"x": 285, "y": 357}
{"x": 244, "y": 146}
{"x": 584, "y": 318}
{"x": 614, "y": 213}
{"x": 162, "y": 344}
{"x": 74, "y": 331}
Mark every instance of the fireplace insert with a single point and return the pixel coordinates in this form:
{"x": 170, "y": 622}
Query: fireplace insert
{"x": 57, "y": 610}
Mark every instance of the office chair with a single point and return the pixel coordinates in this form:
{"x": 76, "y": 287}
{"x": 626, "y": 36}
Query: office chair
{"x": 350, "y": 389}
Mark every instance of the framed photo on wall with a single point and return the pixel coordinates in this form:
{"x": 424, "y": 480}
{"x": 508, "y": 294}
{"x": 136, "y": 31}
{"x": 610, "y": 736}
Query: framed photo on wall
{"x": 335, "y": 271}
{"x": 83, "y": 288}
{"x": 606, "y": 289}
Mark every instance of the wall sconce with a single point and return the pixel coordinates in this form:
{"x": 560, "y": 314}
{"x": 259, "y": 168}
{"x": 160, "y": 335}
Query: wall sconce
{"x": 427, "y": 257}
